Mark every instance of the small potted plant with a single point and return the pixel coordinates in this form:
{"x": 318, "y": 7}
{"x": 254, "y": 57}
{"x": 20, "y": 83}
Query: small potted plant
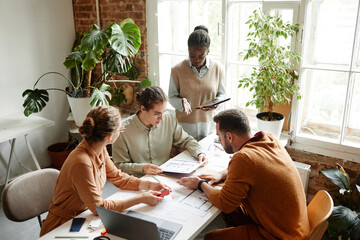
{"x": 58, "y": 152}
{"x": 114, "y": 47}
{"x": 273, "y": 81}
{"x": 345, "y": 220}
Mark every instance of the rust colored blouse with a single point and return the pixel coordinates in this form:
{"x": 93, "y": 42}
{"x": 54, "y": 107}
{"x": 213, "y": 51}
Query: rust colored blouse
{"x": 80, "y": 184}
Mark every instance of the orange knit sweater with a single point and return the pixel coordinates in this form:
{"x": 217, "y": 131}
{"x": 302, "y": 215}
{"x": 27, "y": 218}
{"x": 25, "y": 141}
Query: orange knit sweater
{"x": 263, "y": 179}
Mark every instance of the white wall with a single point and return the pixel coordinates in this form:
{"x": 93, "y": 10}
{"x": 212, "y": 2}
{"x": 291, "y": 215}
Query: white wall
{"x": 35, "y": 37}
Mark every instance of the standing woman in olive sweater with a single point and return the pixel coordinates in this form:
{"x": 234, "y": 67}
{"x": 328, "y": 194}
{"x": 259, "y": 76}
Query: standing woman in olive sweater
{"x": 84, "y": 173}
{"x": 194, "y": 82}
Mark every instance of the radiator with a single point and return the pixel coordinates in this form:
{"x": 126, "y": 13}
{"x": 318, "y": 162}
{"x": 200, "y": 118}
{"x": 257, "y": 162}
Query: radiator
{"x": 304, "y": 171}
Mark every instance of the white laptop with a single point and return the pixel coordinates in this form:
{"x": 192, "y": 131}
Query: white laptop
{"x": 137, "y": 226}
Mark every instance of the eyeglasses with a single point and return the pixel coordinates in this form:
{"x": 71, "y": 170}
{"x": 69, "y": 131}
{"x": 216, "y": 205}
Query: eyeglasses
{"x": 122, "y": 129}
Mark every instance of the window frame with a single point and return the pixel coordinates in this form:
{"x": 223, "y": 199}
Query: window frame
{"x": 309, "y": 144}
{"x": 321, "y": 145}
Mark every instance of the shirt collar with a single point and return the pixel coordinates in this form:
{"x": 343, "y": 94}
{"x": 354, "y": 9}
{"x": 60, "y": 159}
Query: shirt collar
{"x": 255, "y": 138}
{"x": 207, "y": 62}
{"x": 139, "y": 124}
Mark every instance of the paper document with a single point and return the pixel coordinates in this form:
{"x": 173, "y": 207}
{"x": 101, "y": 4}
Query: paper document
{"x": 176, "y": 165}
{"x": 182, "y": 203}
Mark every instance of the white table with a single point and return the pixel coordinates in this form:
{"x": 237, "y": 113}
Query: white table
{"x": 191, "y": 227}
{"x": 15, "y": 125}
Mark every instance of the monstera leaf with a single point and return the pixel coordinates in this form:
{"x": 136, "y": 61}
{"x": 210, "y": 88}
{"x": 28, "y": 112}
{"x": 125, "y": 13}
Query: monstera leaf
{"x": 73, "y": 59}
{"x": 116, "y": 63}
{"x": 124, "y": 41}
{"x": 98, "y": 96}
{"x": 125, "y": 38}
{"x": 35, "y": 101}
{"x": 94, "y": 39}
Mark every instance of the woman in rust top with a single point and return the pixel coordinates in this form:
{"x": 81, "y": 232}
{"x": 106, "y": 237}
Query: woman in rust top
{"x": 85, "y": 171}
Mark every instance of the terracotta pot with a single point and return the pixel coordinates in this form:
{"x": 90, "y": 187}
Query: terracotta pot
{"x": 58, "y": 154}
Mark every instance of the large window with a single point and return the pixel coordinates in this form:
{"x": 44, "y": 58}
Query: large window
{"x": 327, "y": 115}
{"x": 329, "y": 112}
{"x": 225, "y": 20}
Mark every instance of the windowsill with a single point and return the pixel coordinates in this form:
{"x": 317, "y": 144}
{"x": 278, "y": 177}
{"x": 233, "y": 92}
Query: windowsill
{"x": 332, "y": 150}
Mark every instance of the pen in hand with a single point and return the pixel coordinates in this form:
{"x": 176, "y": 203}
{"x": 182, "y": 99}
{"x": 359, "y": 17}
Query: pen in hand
{"x": 219, "y": 147}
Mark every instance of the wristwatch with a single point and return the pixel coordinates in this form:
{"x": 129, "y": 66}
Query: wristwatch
{"x": 199, "y": 184}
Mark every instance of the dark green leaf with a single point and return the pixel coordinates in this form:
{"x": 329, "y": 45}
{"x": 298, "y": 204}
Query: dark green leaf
{"x": 90, "y": 60}
{"x": 73, "y": 59}
{"x": 355, "y": 230}
{"x": 336, "y": 177}
{"x": 145, "y": 82}
{"x": 341, "y": 219}
{"x": 118, "y": 97}
{"x": 132, "y": 73}
{"x": 94, "y": 39}
{"x": 35, "y": 100}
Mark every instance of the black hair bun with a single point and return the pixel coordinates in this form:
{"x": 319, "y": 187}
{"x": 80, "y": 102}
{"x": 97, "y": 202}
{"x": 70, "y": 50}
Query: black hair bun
{"x": 201, "y": 27}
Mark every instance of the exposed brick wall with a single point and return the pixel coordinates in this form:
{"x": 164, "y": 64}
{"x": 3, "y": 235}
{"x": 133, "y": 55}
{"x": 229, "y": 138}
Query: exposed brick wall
{"x": 318, "y": 181}
{"x": 115, "y": 11}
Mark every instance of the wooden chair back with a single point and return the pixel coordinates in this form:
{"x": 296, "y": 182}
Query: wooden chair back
{"x": 319, "y": 210}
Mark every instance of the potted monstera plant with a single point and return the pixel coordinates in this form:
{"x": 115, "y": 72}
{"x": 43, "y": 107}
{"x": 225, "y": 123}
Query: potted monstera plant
{"x": 273, "y": 81}
{"x": 114, "y": 47}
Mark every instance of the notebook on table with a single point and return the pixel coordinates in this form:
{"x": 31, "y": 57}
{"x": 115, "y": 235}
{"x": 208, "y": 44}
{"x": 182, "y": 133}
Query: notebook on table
{"x": 137, "y": 226}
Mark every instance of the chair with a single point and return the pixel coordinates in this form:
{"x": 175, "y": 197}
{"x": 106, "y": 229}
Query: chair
{"x": 319, "y": 210}
{"x": 29, "y": 195}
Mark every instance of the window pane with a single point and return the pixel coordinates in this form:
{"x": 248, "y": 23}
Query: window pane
{"x": 357, "y": 53}
{"x": 352, "y": 134}
{"x": 287, "y": 16}
{"x": 330, "y": 33}
{"x": 173, "y": 26}
{"x": 323, "y": 103}
{"x": 240, "y": 96}
{"x": 208, "y": 13}
{"x": 237, "y": 30}
{"x": 166, "y": 62}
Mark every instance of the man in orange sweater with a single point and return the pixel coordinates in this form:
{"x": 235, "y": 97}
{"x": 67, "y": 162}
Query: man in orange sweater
{"x": 262, "y": 197}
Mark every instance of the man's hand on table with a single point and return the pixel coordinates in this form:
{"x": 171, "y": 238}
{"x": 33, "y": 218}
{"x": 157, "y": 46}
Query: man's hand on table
{"x": 189, "y": 182}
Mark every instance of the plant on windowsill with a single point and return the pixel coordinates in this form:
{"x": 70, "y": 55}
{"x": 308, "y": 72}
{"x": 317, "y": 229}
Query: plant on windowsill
{"x": 344, "y": 220}
{"x": 114, "y": 47}
{"x": 273, "y": 82}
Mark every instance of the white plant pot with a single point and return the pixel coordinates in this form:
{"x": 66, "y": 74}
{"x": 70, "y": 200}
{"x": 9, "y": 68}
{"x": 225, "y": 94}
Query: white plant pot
{"x": 80, "y": 107}
{"x": 273, "y": 127}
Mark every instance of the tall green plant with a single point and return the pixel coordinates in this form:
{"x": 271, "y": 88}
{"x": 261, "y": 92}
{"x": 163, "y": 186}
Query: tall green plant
{"x": 344, "y": 220}
{"x": 114, "y": 46}
{"x": 273, "y": 81}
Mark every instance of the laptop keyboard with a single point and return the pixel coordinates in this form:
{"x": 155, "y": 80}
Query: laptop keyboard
{"x": 165, "y": 234}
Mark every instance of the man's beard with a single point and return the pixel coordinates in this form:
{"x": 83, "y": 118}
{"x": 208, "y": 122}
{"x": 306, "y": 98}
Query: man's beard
{"x": 227, "y": 147}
